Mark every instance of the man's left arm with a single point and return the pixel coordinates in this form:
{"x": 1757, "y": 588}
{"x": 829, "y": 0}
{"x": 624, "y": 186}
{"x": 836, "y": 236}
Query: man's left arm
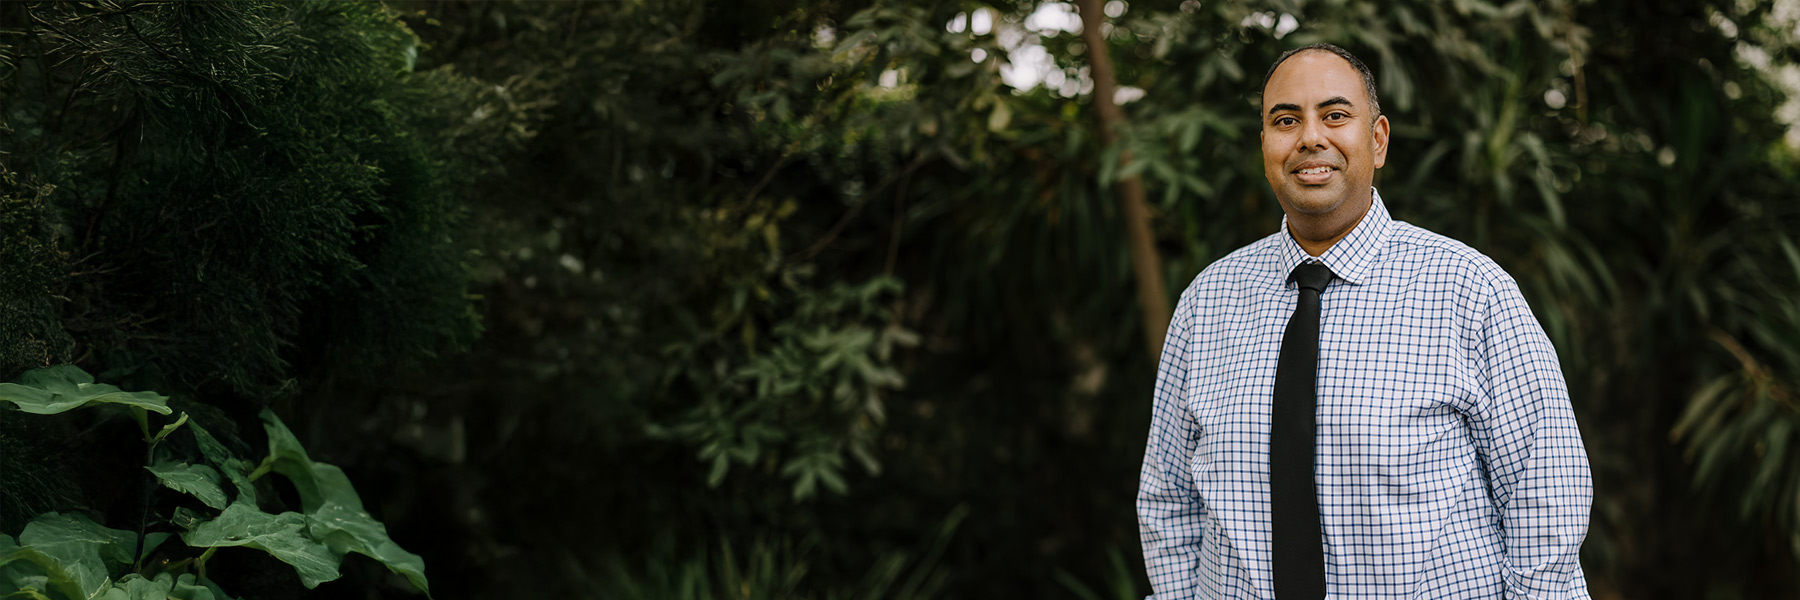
{"x": 1537, "y": 466}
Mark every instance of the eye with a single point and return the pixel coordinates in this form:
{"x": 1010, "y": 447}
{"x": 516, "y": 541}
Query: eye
{"x": 1337, "y": 116}
{"x": 1285, "y": 121}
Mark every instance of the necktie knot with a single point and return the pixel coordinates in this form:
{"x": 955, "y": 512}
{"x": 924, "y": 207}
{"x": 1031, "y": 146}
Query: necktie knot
{"x": 1311, "y": 275}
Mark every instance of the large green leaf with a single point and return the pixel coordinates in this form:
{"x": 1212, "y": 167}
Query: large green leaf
{"x": 282, "y": 536}
{"x": 334, "y": 523}
{"x": 136, "y": 587}
{"x": 66, "y": 553}
{"x": 28, "y": 573}
{"x": 164, "y": 587}
{"x": 334, "y": 512}
{"x": 200, "y": 481}
{"x": 61, "y": 388}
{"x": 186, "y": 588}
{"x": 151, "y": 542}
{"x": 345, "y": 530}
{"x": 232, "y": 467}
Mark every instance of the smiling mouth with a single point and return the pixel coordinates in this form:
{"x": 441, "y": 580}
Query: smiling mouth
{"x": 1315, "y": 176}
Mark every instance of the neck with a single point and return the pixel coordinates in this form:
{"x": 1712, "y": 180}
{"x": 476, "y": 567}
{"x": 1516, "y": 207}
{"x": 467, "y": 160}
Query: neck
{"x": 1318, "y": 233}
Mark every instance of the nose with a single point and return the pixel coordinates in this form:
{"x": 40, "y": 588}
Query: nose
{"x": 1312, "y": 135}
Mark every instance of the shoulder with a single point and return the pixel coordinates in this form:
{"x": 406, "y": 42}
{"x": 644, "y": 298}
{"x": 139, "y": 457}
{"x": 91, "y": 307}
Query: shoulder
{"x": 1417, "y": 249}
{"x": 1473, "y": 288}
{"x": 1229, "y": 283}
{"x": 1230, "y": 273}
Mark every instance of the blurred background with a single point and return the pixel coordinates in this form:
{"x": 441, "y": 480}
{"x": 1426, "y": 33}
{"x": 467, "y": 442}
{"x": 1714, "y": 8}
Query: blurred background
{"x": 852, "y": 298}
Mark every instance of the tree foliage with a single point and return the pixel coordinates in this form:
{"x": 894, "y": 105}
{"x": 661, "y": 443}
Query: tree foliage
{"x": 231, "y": 203}
{"x": 811, "y": 280}
{"x": 1632, "y": 184}
{"x": 224, "y": 173}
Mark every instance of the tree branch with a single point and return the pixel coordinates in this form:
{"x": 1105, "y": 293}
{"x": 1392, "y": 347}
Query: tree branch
{"x": 1145, "y": 264}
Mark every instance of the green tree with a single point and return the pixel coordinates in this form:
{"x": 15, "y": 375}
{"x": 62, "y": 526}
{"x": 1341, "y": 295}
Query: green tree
{"x": 883, "y": 139}
{"x": 812, "y": 279}
{"x": 239, "y": 204}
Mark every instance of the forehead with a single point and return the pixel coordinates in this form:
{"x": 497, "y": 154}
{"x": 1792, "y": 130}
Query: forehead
{"x": 1307, "y": 78}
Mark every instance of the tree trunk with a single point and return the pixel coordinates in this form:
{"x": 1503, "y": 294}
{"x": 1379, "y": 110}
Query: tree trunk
{"x": 1145, "y": 264}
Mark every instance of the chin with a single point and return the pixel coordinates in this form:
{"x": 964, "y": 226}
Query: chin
{"x": 1310, "y": 204}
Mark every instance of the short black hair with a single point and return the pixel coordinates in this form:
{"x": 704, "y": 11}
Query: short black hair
{"x": 1362, "y": 69}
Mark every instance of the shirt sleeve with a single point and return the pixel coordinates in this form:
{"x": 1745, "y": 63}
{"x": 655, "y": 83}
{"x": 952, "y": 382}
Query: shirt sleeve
{"x": 1528, "y": 441}
{"x": 1171, "y": 518}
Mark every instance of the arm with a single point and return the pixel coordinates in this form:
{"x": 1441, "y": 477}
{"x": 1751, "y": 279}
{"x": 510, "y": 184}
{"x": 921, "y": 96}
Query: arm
{"x": 1171, "y": 520}
{"x": 1537, "y": 467}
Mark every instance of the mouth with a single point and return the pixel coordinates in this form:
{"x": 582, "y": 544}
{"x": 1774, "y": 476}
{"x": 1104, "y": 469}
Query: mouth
{"x": 1314, "y": 174}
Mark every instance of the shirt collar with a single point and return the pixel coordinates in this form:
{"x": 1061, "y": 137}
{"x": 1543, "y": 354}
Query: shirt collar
{"x": 1351, "y": 258}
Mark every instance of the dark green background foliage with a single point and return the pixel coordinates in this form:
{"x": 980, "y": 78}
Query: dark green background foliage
{"x": 30, "y": 334}
{"x": 229, "y": 171}
{"x": 797, "y": 299}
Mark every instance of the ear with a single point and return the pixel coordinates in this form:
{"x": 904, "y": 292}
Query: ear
{"x": 1381, "y": 140}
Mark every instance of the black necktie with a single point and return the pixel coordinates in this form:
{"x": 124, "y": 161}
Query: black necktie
{"x": 1298, "y": 552}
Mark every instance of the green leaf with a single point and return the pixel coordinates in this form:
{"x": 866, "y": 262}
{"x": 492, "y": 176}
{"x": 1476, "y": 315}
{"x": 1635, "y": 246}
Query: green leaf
{"x": 200, "y": 481}
{"x": 721, "y": 465}
{"x": 164, "y": 587}
{"x": 170, "y": 428}
{"x": 1000, "y": 117}
{"x": 67, "y": 553}
{"x": 230, "y": 466}
{"x": 30, "y": 594}
{"x": 334, "y": 512}
{"x": 1701, "y": 404}
{"x": 282, "y": 536}
{"x": 151, "y": 542}
{"x": 61, "y": 388}
{"x": 136, "y": 587}
{"x": 28, "y": 573}
{"x": 187, "y": 588}
{"x": 345, "y": 531}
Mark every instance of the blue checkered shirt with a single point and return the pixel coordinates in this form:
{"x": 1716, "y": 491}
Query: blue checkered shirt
{"x": 1448, "y": 462}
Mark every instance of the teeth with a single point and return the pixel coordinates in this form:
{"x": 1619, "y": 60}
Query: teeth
{"x": 1314, "y": 170}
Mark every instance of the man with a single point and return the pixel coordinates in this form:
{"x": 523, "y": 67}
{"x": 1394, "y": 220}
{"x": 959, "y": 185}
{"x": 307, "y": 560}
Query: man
{"x": 1355, "y": 407}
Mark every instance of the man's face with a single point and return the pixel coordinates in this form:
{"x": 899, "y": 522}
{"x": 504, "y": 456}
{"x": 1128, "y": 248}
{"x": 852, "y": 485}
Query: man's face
{"x": 1321, "y": 141}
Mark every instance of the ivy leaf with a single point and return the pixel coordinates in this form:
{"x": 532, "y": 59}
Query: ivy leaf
{"x": 199, "y": 481}
{"x": 282, "y": 536}
{"x": 334, "y": 512}
{"x": 61, "y": 388}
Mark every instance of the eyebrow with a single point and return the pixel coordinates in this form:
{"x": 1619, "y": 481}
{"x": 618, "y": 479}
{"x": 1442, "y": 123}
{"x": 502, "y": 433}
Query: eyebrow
{"x": 1332, "y": 101}
{"x": 1336, "y": 100}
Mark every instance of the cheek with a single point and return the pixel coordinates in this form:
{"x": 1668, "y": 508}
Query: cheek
{"x": 1272, "y": 164}
{"x": 1360, "y": 147}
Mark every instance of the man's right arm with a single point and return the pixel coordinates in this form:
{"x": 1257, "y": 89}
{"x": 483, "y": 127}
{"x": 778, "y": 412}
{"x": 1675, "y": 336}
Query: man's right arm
{"x": 1171, "y": 519}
